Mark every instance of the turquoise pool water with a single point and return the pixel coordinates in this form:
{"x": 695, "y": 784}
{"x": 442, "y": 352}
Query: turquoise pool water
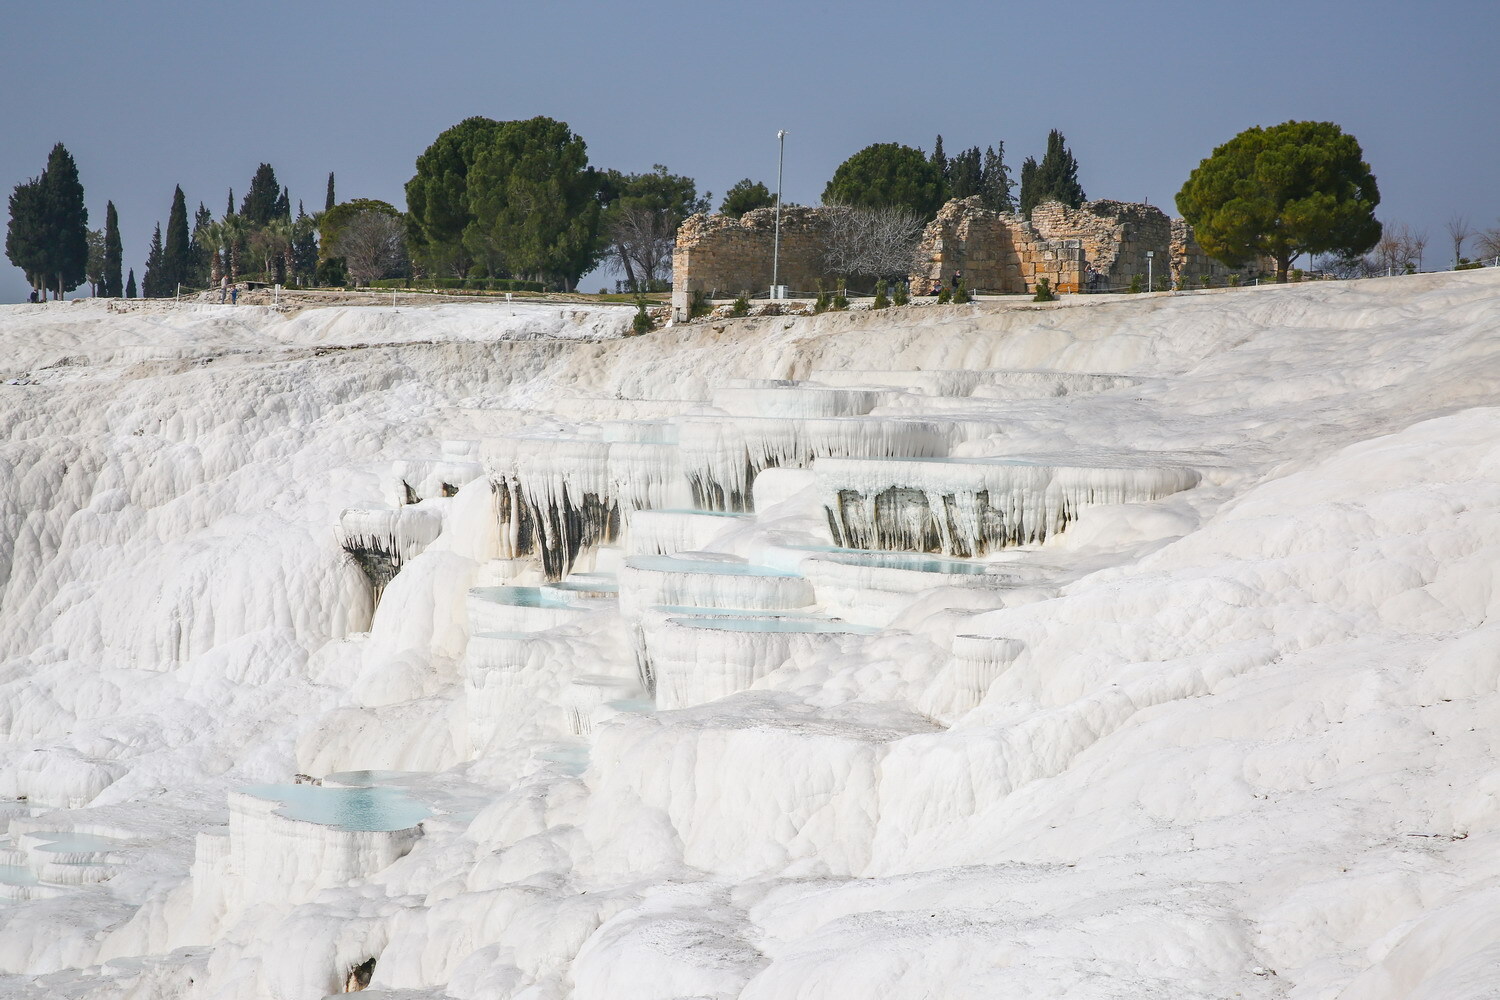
{"x": 771, "y": 625}
{"x": 671, "y": 564}
{"x": 366, "y": 808}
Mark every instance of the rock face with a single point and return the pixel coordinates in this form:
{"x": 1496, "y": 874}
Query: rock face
{"x": 1099, "y": 246}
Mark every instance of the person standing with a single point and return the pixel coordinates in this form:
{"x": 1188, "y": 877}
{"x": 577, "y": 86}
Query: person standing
{"x": 223, "y": 289}
{"x": 234, "y": 295}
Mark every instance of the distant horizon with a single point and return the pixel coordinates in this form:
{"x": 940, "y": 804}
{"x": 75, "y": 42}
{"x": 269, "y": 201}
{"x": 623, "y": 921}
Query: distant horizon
{"x": 1398, "y": 79}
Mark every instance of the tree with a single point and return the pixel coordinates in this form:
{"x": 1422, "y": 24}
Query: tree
{"x": 26, "y": 242}
{"x": 304, "y": 248}
{"x": 114, "y": 253}
{"x": 332, "y": 222}
{"x": 151, "y": 281}
{"x": 372, "y": 244}
{"x": 328, "y": 201}
{"x": 534, "y": 202}
{"x": 437, "y": 197}
{"x": 884, "y": 174}
{"x": 994, "y": 180}
{"x": 640, "y": 220}
{"x": 201, "y": 269}
{"x": 94, "y": 270}
{"x": 1054, "y": 179}
{"x": 272, "y": 243}
{"x": 875, "y": 242}
{"x": 67, "y": 221}
{"x": 966, "y": 174}
{"x": 1459, "y": 232}
{"x": 1283, "y": 191}
{"x": 1028, "y": 186}
{"x": 176, "y": 258}
{"x": 939, "y": 159}
{"x": 746, "y": 196}
{"x": 261, "y": 204}
{"x": 130, "y": 285}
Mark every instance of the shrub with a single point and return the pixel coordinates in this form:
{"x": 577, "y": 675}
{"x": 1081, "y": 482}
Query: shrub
{"x": 840, "y": 301}
{"x": 820, "y": 304}
{"x": 741, "y": 305}
{"x": 1043, "y": 291}
{"x": 1182, "y": 282}
{"x": 1207, "y": 279}
{"x": 881, "y": 301}
{"x": 1234, "y": 280}
{"x": 961, "y": 293}
{"x": 332, "y": 272}
{"x": 699, "y": 304}
{"x": 944, "y": 296}
{"x": 642, "y": 322}
{"x": 901, "y": 294}
{"x": 1135, "y": 284}
{"x": 1465, "y": 264}
{"x": 1296, "y": 274}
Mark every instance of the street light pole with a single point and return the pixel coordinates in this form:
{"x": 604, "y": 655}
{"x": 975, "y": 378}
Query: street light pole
{"x": 1150, "y": 262}
{"x": 776, "y": 240}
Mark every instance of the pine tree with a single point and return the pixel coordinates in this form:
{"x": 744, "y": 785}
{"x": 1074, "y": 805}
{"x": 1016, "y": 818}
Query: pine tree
{"x": 26, "y": 242}
{"x": 938, "y": 159}
{"x": 67, "y": 222}
{"x": 304, "y": 248}
{"x": 965, "y": 173}
{"x": 328, "y": 202}
{"x": 130, "y": 285}
{"x": 176, "y": 261}
{"x": 1028, "y": 186}
{"x": 259, "y": 206}
{"x": 200, "y": 249}
{"x": 114, "y": 253}
{"x": 229, "y": 208}
{"x": 1057, "y": 175}
{"x": 155, "y": 259}
{"x": 284, "y": 205}
{"x": 995, "y": 183}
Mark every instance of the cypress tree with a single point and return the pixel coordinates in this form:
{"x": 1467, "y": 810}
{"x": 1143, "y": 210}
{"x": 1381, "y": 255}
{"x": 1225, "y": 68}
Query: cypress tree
{"x": 965, "y": 173}
{"x": 130, "y": 285}
{"x": 938, "y": 159}
{"x": 284, "y": 205}
{"x": 26, "y": 237}
{"x": 151, "y": 283}
{"x": 113, "y": 253}
{"x": 994, "y": 180}
{"x": 229, "y": 208}
{"x": 199, "y": 249}
{"x": 67, "y": 222}
{"x": 328, "y": 202}
{"x": 259, "y": 206}
{"x": 1028, "y": 186}
{"x": 176, "y": 261}
{"x": 1057, "y": 175}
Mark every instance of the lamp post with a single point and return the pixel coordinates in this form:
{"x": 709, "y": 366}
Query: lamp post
{"x": 776, "y": 239}
{"x": 1150, "y": 263}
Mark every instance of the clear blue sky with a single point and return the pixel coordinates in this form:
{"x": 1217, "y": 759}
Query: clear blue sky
{"x": 150, "y": 95}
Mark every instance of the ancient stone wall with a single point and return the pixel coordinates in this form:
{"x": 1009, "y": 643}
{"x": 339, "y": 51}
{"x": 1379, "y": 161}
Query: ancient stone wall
{"x": 1099, "y": 246}
{"x": 995, "y": 252}
{"x": 1189, "y": 257}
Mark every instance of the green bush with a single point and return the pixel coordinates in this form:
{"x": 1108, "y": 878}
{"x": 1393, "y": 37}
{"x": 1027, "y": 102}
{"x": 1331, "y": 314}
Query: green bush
{"x": 1135, "y": 284}
{"x": 840, "y": 301}
{"x": 461, "y": 284}
{"x": 881, "y": 300}
{"x": 1182, "y": 282}
{"x": 1043, "y": 291}
{"x": 642, "y": 322}
{"x": 901, "y": 294}
{"x": 944, "y": 296}
{"x": 961, "y": 293}
{"x": 1234, "y": 280}
{"x": 1296, "y": 274}
{"x": 699, "y": 304}
{"x": 1465, "y": 264}
{"x": 332, "y": 272}
{"x": 821, "y": 303}
{"x": 741, "y": 305}
{"x": 1207, "y": 280}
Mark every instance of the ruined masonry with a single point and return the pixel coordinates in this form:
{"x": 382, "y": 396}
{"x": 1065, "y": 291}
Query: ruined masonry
{"x": 1099, "y": 246}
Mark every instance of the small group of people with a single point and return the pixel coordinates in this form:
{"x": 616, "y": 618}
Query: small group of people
{"x": 35, "y": 298}
{"x": 228, "y": 291}
{"x": 937, "y": 283}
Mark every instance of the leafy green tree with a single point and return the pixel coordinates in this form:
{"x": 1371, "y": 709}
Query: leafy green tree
{"x": 534, "y": 202}
{"x": 176, "y": 258}
{"x": 1280, "y": 192}
{"x": 200, "y": 268}
{"x": 437, "y": 197}
{"x": 746, "y": 196}
{"x": 1054, "y": 179}
{"x": 641, "y": 213}
{"x": 939, "y": 159}
{"x": 994, "y": 180}
{"x": 332, "y": 222}
{"x": 328, "y": 201}
{"x": 26, "y": 237}
{"x": 284, "y": 206}
{"x": 114, "y": 253}
{"x": 151, "y": 282}
{"x": 887, "y": 174}
{"x": 130, "y": 285}
{"x": 67, "y": 220}
{"x": 262, "y": 203}
{"x": 304, "y": 248}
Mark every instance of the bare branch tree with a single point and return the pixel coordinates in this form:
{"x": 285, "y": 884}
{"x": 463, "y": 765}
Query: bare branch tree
{"x": 373, "y": 245}
{"x": 1400, "y": 249}
{"x": 1459, "y": 232}
{"x": 876, "y": 242}
{"x": 1488, "y": 243}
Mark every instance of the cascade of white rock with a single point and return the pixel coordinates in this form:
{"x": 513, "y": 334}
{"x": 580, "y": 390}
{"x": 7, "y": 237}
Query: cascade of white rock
{"x": 590, "y": 695}
{"x": 982, "y": 383}
{"x": 792, "y": 399}
{"x": 969, "y": 507}
{"x": 552, "y": 497}
{"x": 724, "y": 582}
{"x": 667, "y": 532}
{"x": 422, "y": 478}
{"x": 381, "y": 538}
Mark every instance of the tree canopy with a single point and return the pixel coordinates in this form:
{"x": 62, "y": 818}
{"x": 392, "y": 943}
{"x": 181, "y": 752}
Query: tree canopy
{"x": 437, "y": 196}
{"x": 332, "y": 222}
{"x": 1282, "y": 191}
{"x": 266, "y": 200}
{"x": 888, "y": 174}
{"x": 1055, "y": 178}
{"x": 48, "y": 232}
{"x": 640, "y": 219}
{"x": 746, "y": 196}
{"x": 114, "y": 253}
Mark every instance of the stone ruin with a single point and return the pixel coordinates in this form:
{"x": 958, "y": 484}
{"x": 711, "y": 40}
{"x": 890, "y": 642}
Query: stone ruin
{"x": 1098, "y": 247}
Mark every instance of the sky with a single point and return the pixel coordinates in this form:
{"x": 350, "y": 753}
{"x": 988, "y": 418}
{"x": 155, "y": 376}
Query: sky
{"x": 150, "y": 95}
